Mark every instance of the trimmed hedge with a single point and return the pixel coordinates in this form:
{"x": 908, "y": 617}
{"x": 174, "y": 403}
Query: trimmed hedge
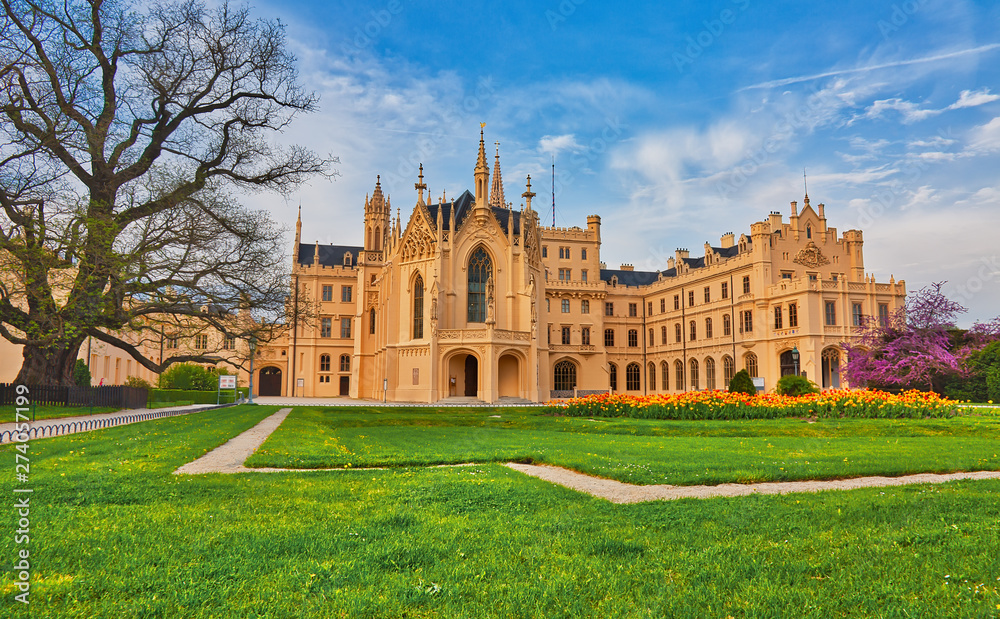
{"x": 197, "y": 397}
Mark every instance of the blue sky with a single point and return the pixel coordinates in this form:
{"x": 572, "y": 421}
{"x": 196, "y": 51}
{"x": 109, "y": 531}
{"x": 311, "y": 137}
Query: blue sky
{"x": 676, "y": 122}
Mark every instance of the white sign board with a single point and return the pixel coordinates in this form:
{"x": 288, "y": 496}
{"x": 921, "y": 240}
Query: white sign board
{"x": 758, "y": 383}
{"x": 227, "y": 381}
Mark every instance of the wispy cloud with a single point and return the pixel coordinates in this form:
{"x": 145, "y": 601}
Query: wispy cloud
{"x": 875, "y": 67}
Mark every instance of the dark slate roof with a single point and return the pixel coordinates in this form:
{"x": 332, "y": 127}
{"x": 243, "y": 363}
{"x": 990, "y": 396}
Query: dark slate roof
{"x": 329, "y": 255}
{"x": 727, "y": 252}
{"x": 630, "y": 278}
{"x": 694, "y": 263}
{"x": 463, "y": 205}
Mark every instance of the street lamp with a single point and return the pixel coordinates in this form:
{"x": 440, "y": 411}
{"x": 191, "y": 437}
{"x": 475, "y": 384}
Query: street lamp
{"x": 253, "y": 353}
{"x": 795, "y": 359}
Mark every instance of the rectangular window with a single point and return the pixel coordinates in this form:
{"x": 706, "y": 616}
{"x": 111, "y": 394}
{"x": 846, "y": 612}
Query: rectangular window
{"x": 649, "y": 308}
{"x": 585, "y": 336}
{"x": 777, "y": 318}
{"x": 583, "y": 275}
{"x": 725, "y": 290}
{"x": 609, "y": 309}
{"x": 545, "y": 251}
{"x": 690, "y": 298}
{"x": 565, "y": 306}
{"x": 677, "y": 301}
{"x": 793, "y": 315}
{"x": 328, "y": 293}
{"x": 746, "y": 324}
{"x": 831, "y": 313}
{"x": 746, "y": 284}
{"x": 345, "y": 294}
{"x": 633, "y": 310}
{"x": 812, "y": 277}
{"x": 585, "y": 306}
{"x": 565, "y": 335}
{"x": 651, "y": 340}
{"x": 677, "y": 333}
{"x": 201, "y": 341}
{"x": 708, "y": 294}
{"x": 633, "y": 338}
{"x": 583, "y": 254}
{"x": 663, "y": 305}
{"x": 727, "y": 325}
{"x": 856, "y": 314}
{"x": 325, "y": 327}
{"x": 345, "y": 328}
{"x": 609, "y": 337}
{"x": 708, "y": 327}
{"x": 229, "y": 343}
{"x": 883, "y": 314}
{"x": 786, "y": 275}
{"x": 693, "y": 328}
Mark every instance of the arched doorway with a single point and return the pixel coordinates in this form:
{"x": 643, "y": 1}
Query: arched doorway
{"x": 269, "y": 382}
{"x": 509, "y": 377}
{"x": 787, "y": 363}
{"x": 831, "y": 368}
{"x": 471, "y": 376}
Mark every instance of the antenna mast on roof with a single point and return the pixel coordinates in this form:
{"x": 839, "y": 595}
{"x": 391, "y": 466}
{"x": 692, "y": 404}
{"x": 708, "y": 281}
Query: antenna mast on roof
{"x": 553, "y": 191}
{"x": 804, "y": 184}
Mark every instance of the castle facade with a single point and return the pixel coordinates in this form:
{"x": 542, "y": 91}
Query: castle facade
{"x": 472, "y": 298}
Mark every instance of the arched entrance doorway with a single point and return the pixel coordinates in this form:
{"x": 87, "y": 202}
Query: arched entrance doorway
{"x": 269, "y": 382}
{"x": 831, "y": 368}
{"x": 787, "y": 363}
{"x": 471, "y": 376}
{"x": 509, "y": 377}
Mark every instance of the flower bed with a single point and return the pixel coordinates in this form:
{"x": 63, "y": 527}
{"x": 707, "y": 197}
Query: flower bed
{"x": 834, "y": 403}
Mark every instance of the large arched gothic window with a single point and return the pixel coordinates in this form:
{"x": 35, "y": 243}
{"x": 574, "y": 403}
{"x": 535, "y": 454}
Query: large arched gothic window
{"x": 679, "y": 375}
{"x": 480, "y": 272}
{"x": 652, "y": 376}
{"x": 418, "y": 307}
{"x": 728, "y": 370}
{"x": 565, "y": 375}
{"x": 633, "y": 377}
{"x": 750, "y": 362}
{"x": 613, "y": 376}
{"x": 709, "y": 373}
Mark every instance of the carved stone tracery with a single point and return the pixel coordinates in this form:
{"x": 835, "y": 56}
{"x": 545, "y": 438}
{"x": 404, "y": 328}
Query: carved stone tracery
{"x": 811, "y": 256}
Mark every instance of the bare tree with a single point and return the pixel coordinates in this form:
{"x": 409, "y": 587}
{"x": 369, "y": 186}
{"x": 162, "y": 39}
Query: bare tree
{"x": 125, "y": 130}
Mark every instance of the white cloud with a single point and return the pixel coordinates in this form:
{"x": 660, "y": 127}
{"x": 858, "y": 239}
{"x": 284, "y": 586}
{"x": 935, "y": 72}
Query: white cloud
{"x": 985, "y": 138}
{"x": 555, "y": 144}
{"x": 970, "y": 98}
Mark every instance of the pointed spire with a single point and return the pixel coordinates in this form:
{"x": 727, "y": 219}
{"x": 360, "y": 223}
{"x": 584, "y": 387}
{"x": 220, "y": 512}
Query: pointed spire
{"x": 481, "y": 162}
{"x": 298, "y": 229}
{"x": 528, "y": 195}
{"x": 420, "y": 186}
{"x": 496, "y": 192}
{"x": 482, "y": 171}
{"x": 399, "y": 224}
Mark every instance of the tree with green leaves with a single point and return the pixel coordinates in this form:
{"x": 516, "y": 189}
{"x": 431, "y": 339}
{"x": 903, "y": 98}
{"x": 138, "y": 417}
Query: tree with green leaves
{"x": 126, "y": 128}
{"x": 742, "y": 383}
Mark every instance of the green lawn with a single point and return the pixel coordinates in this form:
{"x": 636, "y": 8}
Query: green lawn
{"x": 633, "y": 450}
{"x": 115, "y": 534}
{"x": 46, "y": 411}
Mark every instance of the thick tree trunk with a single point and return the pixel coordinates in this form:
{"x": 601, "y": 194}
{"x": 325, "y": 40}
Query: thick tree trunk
{"x": 48, "y": 366}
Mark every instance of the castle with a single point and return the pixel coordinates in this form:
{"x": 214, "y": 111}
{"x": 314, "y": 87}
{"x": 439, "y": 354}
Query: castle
{"x": 471, "y": 298}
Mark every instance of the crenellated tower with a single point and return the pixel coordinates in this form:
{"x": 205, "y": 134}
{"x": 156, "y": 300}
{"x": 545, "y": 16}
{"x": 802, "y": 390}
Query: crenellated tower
{"x": 377, "y": 218}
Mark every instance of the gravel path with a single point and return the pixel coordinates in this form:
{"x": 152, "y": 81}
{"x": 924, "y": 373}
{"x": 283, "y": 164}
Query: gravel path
{"x": 230, "y": 458}
{"x": 618, "y": 492}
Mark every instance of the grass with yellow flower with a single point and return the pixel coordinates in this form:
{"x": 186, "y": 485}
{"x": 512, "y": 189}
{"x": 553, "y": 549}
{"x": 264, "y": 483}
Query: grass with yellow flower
{"x": 115, "y": 534}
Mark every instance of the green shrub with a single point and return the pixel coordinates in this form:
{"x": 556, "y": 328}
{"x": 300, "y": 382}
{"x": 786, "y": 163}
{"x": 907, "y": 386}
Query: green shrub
{"x": 742, "y": 383}
{"x": 190, "y": 376}
{"x": 135, "y": 381}
{"x": 81, "y": 374}
{"x": 181, "y": 396}
{"x": 793, "y": 385}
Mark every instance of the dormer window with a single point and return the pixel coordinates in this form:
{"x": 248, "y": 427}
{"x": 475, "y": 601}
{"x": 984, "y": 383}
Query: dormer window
{"x": 347, "y": 259}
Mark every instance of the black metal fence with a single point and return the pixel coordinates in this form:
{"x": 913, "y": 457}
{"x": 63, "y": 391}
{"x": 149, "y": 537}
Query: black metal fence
{"x": 54, "y": 427}
{"x": 120, "y": 396}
